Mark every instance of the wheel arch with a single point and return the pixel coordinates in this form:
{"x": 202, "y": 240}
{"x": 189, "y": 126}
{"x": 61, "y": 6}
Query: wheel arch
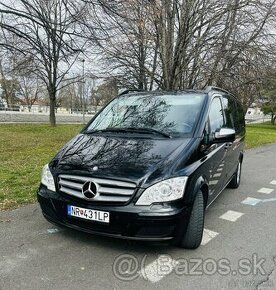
{"x": 205, "y": 190}
{"x": 202, "y": 185}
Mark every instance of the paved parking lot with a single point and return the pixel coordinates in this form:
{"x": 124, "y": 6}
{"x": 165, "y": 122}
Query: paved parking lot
{"x": 238, "y": 249}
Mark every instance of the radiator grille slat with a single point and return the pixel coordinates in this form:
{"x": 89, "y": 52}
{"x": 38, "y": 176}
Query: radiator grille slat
{"x": 71, "y": 184}
{"x": 120, "y": 191}
{"x": 107, "y": 190}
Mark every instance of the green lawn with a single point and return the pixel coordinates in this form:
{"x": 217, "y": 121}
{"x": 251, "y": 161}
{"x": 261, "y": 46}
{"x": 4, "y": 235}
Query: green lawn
{"x": 260, "y": 134}
{"x": 24, "y": 149}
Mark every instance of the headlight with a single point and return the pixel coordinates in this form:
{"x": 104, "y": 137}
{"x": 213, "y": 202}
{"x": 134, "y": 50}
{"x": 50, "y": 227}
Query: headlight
{"x": 47, "y": 178}
{"x": 167, "y": 190}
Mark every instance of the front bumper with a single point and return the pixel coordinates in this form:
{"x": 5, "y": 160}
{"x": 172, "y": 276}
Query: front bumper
{"x": 148, "y": 223}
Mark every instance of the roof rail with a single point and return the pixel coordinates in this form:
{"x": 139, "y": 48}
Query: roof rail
{"x": 211, "y": 88}
{"x": 130, "y": 90}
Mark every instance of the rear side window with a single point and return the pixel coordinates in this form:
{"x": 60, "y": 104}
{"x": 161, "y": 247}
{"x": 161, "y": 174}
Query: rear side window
{"x": 233, "y": 112}
{"x": 240, "y": 118}
{"x": 216, "y": 115}
{"x": 229, "y": 108}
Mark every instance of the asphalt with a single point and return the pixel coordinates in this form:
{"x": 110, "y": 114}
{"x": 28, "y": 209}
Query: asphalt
{"x": 37, "y": 255}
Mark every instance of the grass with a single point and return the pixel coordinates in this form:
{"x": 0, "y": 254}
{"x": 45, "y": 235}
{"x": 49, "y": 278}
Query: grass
{"x": 260, "y": 134}
{"x": 24, "y": 149}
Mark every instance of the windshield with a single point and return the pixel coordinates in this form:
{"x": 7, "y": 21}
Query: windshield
{"x": 174, "y": 114}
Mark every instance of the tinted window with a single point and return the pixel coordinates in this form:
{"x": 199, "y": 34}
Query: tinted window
{"x": 240, "y": 117}
{"x": 175, "y": 114}
{"x": 229, "y": 107}
{"x": 234, "y": 113}
{"x": 216, "y": 115}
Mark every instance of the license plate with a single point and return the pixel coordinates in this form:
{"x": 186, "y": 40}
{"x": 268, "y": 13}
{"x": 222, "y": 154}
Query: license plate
{"x": 88, "y": 214}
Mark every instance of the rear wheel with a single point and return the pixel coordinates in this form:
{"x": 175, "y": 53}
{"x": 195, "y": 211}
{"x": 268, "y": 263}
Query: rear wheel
{"x": 193, "y": 236}
{"x": 236, "y": 179}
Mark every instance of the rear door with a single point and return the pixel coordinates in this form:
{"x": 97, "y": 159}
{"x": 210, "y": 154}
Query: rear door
{"x": 217, "y": 151}
{"x": 232, "y": 111}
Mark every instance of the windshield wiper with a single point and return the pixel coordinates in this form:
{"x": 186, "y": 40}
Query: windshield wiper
{"x": 105, "y": 130}
{"x": 130, "y": 129}
{"x": 148, "y": 131}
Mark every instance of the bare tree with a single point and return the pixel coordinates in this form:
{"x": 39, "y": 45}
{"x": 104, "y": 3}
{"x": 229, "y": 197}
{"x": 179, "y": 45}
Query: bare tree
{"x": 29, "y": 89}
{"x": 128, "y": 42}
{"x": 9, "y": 83}
{"x": 177, "y": 44}
{"x": 9, "y": 87}
{"x": 48, "y": 31}
{"x": 104, "y": 92}
{"x": 167, "y": 44}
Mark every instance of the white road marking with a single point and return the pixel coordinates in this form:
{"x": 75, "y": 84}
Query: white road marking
{"x": 231, "y": 215}
{"x": 251, "y": 201}
{"x": 217, "y": 175}
{"x": 208, "y": 235}
{"x": 219, "y": 169}
{"x": 213, "y": 182}
{"x": 265, "y": 190}
{"x": 164, "y": 265}
{"x": 158, "y": 269}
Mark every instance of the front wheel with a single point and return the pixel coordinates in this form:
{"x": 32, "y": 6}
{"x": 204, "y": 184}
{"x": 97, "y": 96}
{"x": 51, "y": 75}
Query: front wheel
{"x": 236, "y": 179}
{"x": 193, "y": 236}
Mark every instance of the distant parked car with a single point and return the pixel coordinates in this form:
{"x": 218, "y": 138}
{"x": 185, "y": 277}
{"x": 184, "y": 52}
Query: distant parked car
{"x": 16, "y": 108}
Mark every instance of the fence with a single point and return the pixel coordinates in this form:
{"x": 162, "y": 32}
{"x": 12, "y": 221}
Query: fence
{"x": 257, "y": 118}
{"x": 19, "y": 114}
{"x": 32, "y": 117}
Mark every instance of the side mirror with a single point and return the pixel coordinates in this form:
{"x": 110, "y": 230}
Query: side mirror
{"x": 224, "y": 135}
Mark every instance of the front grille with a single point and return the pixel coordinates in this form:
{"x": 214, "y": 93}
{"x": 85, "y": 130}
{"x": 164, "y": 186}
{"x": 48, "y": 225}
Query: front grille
{"x": 107, "y": 190}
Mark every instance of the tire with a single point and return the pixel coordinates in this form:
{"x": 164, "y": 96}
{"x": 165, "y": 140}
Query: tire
{"x": 193, "y": 236}
{"x": 236, "y": 179}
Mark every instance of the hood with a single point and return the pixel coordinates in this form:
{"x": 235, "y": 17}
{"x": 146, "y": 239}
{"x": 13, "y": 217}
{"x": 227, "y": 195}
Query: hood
{"x": 119, "y": 158}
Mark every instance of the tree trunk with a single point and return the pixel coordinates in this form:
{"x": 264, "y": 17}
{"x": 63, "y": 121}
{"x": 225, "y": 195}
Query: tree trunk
{"x": 273, "y": 117}
{"x": 52, "y": 97}
{"x": 52, "y": 112}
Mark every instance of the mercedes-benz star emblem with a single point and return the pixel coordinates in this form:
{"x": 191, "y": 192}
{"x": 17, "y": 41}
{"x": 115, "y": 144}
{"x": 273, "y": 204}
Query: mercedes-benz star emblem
{"x": 89, "y": 189}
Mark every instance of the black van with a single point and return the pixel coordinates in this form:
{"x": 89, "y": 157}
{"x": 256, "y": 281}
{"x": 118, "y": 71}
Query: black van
{"x": 147, "y": 166}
